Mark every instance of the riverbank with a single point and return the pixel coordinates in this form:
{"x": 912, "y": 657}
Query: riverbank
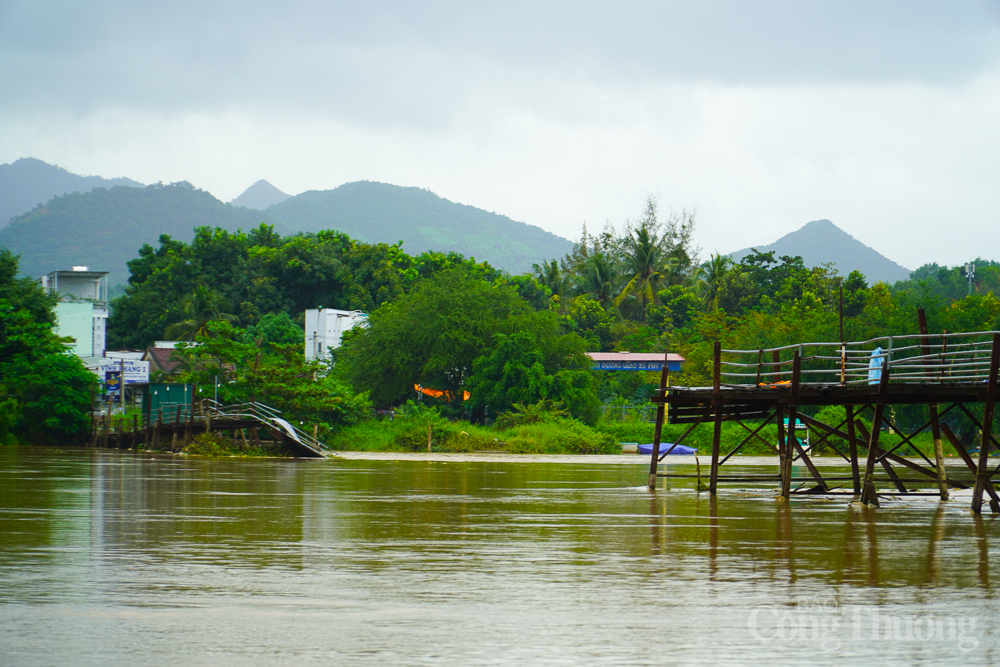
{"x": 587, "y": 459}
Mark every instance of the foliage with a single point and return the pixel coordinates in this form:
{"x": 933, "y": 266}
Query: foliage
{"x": 252, "y": 274}
{"x": 553, "y": 433}
{"x": 201, "y": 307}
{"x": 271, "y": 372}
{"x": 44, "y": 389}
{"x": 453, "y": 321}
{"x": 102, "y": 228}
{"x": 526, "y": 368}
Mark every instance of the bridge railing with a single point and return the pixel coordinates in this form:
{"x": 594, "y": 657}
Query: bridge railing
{"x": 958, "y": 358}
{"x": 186, "y": 413}
{"x": 263, "y": 413}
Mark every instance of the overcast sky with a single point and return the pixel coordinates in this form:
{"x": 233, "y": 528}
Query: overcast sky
{"x": 880, "y": 116}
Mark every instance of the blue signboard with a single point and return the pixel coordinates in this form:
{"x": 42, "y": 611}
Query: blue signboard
{"x": 635, "y": 365}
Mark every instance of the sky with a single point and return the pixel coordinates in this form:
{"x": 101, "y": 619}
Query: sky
{"x": 761, "y": 116}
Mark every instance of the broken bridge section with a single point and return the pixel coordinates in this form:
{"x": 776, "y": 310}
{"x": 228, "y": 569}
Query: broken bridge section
{"x": 172, "y": 428}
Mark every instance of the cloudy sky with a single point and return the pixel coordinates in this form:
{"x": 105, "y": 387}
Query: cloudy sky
{"x": 880, "y": 116}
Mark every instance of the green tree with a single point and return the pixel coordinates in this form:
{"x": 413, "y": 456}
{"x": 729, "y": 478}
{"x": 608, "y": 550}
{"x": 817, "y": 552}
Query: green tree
{"x": 711, "y": 278}
{"x": 44, "y": 389}
{"x": 647, "y": 267}
{"x": 249, "y": 367}
{"x": 201, "y": 307}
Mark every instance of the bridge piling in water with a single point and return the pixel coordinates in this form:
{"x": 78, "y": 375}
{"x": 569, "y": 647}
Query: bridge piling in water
{"x": 945, "y": 372}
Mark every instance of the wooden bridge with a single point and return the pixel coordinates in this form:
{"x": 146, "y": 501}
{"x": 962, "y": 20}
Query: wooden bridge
{"x": 946, "y": 372}
{"x": 172, "y": 428}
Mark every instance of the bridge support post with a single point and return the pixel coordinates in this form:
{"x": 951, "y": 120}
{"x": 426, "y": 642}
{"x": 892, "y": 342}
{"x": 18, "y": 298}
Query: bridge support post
{"x": 982, "y": 470}
{"x": 713, "y": 482}
{"x": 852, "y": 448}
{"x": 661, "y": 411}
{"x": 942, "y": 476}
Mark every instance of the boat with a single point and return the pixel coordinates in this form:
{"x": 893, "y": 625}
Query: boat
{"x": 665, "y": 447}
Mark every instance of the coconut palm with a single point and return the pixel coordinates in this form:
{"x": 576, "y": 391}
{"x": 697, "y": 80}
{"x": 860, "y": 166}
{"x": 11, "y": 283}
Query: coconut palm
{"x": 200, "y": 307}
{"x": 711, "y": 277}
{"x": 597, "y": 280}
{"x": 550, "y": 275}
{"x": 647, "y": 265}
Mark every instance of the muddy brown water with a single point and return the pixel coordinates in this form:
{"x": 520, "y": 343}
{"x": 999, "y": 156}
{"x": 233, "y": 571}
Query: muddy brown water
{"x": 129, "y": 558}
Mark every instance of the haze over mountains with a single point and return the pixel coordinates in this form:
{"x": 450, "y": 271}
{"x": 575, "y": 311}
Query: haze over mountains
{"x": 821, "y": 242}
{"x": 61, "y": 219}
{"x": 28, "y": 182}
{"x": 260, "y": 195}
{"x": 105, "y": 227}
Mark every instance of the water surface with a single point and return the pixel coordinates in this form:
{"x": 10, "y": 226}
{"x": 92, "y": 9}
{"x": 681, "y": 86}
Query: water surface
{"x": 131, "y": 558}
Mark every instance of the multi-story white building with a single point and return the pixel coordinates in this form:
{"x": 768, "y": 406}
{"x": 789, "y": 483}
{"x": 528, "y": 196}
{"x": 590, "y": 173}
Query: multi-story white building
{"x": 82, "y": 311}
{"x": 325, "y": 326}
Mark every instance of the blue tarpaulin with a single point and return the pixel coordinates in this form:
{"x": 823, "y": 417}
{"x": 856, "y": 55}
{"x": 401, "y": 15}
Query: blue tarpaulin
{"x": 665, "y": 446}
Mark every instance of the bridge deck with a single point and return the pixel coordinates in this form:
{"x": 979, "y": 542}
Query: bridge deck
{"x": 764, "y": 386}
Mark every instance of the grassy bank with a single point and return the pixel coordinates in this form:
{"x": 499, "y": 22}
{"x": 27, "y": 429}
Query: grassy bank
{"x": 525, "y": 434}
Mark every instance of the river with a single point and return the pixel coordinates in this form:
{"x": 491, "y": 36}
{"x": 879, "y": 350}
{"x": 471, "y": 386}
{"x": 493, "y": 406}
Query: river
{"x": 112, "y": 558}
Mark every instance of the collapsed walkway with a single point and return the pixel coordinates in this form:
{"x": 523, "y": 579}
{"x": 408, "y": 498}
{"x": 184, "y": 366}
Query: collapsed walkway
{"x": 173, "y": 428}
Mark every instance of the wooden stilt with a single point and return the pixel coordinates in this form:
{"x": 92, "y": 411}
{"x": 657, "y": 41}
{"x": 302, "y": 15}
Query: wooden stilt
{"x": 935, "y": 429}
{"x": 969, "y": 463}
{"x": 852, "y": 447}
{"x": 661, "y": 411}
{"x": 868, "y": 494}
{"x": 982, "y": 470}
{"x": 713, "y": 483}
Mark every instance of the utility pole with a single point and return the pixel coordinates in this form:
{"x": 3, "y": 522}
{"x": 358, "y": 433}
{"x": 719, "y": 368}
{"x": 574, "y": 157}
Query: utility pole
{"x": 970, "y": 273}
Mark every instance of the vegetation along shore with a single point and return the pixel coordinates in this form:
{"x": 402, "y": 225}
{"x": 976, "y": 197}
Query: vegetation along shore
{"x": 504, "y": 355}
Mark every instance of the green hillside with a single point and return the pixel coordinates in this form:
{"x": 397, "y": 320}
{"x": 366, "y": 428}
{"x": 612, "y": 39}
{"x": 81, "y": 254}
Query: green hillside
{"x": 103, "y": 229}
{"x": 27, "y": 183}
{"x": 378, "y": 212}
{"x": 821, "y": 242}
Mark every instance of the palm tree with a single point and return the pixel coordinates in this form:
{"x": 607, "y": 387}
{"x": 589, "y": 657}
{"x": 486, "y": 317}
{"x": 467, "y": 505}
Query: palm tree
{"x": 550, "y": 275}
{"x": 598, "y": 279}
{"x": 647, "y": 265}
{"x": 711, "y": 276}
{"x": 200, "y": 307}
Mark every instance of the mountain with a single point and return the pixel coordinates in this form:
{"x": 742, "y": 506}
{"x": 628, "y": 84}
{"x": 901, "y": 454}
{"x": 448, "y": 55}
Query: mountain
{"x": 103, "y": 229}
{"x": 821, "y": 241}
{"x": 260, "y": 195}
{"x": 378, "y": 212}
{"x": 28, "y": 182}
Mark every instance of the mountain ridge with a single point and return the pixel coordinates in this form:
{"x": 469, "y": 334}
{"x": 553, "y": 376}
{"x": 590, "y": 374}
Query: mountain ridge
{"x": 367, "y": 210}
{"x": 105, "y": 227}
{"x": 260, "y": 196}
{"x": 821, "y": 242}
{"x": 29, "y": 182}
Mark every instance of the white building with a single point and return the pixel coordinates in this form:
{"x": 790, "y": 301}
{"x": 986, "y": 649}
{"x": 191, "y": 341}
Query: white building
{"x": 325, "y": 326}
{"x": 82, "y": 311}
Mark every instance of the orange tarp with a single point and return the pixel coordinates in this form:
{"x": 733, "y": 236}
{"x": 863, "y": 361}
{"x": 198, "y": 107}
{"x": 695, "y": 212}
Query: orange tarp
{"x": 438, "y": 393}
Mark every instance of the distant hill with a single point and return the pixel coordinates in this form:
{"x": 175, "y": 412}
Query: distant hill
{"x": 103, "y": 229}
{"x": 821, "y": 241}
{"x": 260, "y": 195}
{"x": 378, "y": 212}
{"x": 26, "y": 183}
